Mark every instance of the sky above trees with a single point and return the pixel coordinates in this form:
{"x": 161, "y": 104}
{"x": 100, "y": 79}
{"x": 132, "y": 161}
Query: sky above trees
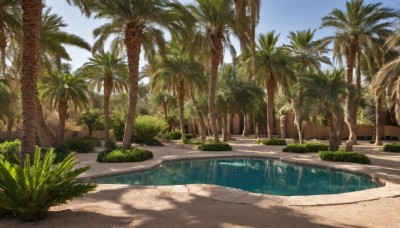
{"x": 279, "y": 15}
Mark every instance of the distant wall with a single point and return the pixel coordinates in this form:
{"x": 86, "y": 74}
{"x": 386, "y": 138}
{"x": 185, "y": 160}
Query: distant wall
{"x": 67, "y": 135}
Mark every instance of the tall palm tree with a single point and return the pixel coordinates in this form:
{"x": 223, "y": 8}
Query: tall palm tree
{"x": 356, "y": 28}
{"x": 135, "y": 24}
{"x": 179, "y": 72}
{"x": 60, "y": 89}
{"x": 248, "y": 9}
{"x": 164, "y": 99}
{"x": 31, "y": 18}
{"x": 327, "y": 90}
{"x": 10, "y": 26}
{"x": 215, "y": 19}
{"x": 108, "y": 72}
{"x": 387, "y": 80}
{"x": 308, "y": 55}
{"x": 272, "y": 69}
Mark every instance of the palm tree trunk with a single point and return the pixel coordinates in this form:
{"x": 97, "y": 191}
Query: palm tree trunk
{"x": 270, "y": 112}
{"x": 216, "y": 54}
{"x": 379, "y": 121}
{"x": 165, "y": 107}
{"x": 224, "y": 128}
{"x": 246, "y": 125}
{"x": 283, "y": 126}
{"x": 297, "y": 122}
{"x": 257, "y": 130}
{"x": 10, "y": 123}
{"x": 32, "y": 17}
{"x": 62, "y": 115}
{"x": 333, "y": 140}
{"x": 359, "y": 90}
{"x": 350, "y": 58}
{"x": 45, "y": 135}
{"x": 202, "y": 125}
{"x": 181, "y": 98}
{"x": 229, "y": 127}
{"x": 133, "y": 42}
{"x": 108, "y": 86}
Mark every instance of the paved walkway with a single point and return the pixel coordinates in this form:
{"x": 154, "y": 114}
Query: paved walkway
{"x": 384, "y": 168}
{"x": 215, "y": 206}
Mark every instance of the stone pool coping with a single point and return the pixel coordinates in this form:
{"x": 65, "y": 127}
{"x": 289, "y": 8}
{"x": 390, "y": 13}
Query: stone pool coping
{"x": 226, "y": 194}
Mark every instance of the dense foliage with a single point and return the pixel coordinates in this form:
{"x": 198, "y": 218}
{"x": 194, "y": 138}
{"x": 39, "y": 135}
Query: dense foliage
{"x": 270, "y": 142}
{"x": 344, "y": 156}
{"x": 82, "y": 144}
{"x": 29, "y": 192}
{"x": 10, "y": 151}
{"x": 215, "y": 147}
{"x": 147, "y": 128}
{"x": 392, "y": 147}
{"x": 122, "y": 155}
{"x": 305, "y": 148}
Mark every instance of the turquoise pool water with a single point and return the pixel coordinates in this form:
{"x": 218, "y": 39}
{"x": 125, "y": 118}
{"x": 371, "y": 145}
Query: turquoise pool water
{"x": 265, "y": 176}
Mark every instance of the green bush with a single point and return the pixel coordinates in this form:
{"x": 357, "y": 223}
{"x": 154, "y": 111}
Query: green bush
{"x": 305, "y": 148}
{"x": 393, "y": 147}
{"x": 11, "y": 151}
{"x": 343, "y": 156}
{"x": 188, "y": 136}
{"x": 118, "y": 126}
{"x": 110, "y": 145}
{"x": 215, "y": 147}
{"x": 174, "y": 135}
{"x": 194, "y": 142}
{"x": 121, "y": 155}
{"x": 147, "y": 128}
{"x": 61, "y": 153}
{"x": 29, "y": 192}
{"x": 270, "y": 142}
{"x": 82, "y": 144}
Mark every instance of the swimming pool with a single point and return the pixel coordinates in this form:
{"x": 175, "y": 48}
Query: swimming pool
{"x": 258, "y": 175}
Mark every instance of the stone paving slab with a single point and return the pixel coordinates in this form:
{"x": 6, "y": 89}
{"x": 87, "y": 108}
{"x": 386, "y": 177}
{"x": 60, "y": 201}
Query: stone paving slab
{"x": 389, "y": 175}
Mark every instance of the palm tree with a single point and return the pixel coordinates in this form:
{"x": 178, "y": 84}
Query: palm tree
{"x": 108, "y": 72}
{"x": 31, "y": 17}
{"x": 179, "y": 72}
{"x": 137, "y": 21}
{"x": 10, "y": 26}
{"x": 308, "y": 56}
{"x": 215, "y": 19}
{"x": 164, "y": 99}
{"x": 327, "y": 90}
{"x": 60, "y": 89}
{"x": 356, "y": 28}
{"x": 272, "y": 69}
{"x": 387, "y": 80}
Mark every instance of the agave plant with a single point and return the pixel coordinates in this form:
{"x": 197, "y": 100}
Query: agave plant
{"x": 29, "y": 192}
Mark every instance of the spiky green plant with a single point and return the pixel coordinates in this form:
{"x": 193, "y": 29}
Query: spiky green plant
{"x": 29, "y": 192}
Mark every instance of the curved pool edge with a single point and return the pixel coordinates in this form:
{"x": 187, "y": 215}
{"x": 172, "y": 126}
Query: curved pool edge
{"x": 227, "y": 194}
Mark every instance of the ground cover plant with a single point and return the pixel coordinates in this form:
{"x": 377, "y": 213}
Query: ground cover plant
{"x": 215, "y": 147}
{"x": 392, "y": 147}
{"x": 28, "y": 192}
{"x": 122, "y": 155}
{"x": 344, "y": 156}
{"x": 271, "y": 142}
{"x": 305, "y": 148}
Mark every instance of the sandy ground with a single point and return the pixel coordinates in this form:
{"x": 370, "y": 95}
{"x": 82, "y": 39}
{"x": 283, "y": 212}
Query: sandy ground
{"x": 129, "y": 207}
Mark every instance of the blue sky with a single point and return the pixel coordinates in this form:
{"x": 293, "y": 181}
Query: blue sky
{"x": 282, "y": 16}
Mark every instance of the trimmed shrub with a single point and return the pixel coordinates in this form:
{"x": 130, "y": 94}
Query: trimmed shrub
{"x": 11, "y": 151}
{"x": 215, "y": 147}
{"x": 121, "y": 155}
{"x": 271, "y": 142}
{"x": 194, "y": 142}
{"x": 306, "y": 148}
{"x": 393, "y": 147}
{"x": 343, "y": 156}
{"x": 188, "y": 136}
{"x": 147, "y": 128}
{"x": 82, "y": 144}
{"x": 174, "y": 135}
{"x": 61, "y": 153}
{"x": 29, "y": 192}
{"x": 110, "y": 145}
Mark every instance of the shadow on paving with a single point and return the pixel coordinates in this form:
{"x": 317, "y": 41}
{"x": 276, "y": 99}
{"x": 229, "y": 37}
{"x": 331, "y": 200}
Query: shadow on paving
{"x": 147, "y": 208}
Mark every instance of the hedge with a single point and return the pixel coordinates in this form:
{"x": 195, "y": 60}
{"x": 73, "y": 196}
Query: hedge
{"x": 121, "y": 155}
{"x": 343, "y": 156}
{"x": 306, "y": 148}
{"x": 215, "y": 147}
{"x": 393, "y": 147}
{"x": 271, "y": 142}
{"x": 83, "y": 144}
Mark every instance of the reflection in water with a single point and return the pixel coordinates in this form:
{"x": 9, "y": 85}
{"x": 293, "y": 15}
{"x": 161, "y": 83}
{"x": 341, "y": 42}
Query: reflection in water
{"x": 253, "y": 175}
